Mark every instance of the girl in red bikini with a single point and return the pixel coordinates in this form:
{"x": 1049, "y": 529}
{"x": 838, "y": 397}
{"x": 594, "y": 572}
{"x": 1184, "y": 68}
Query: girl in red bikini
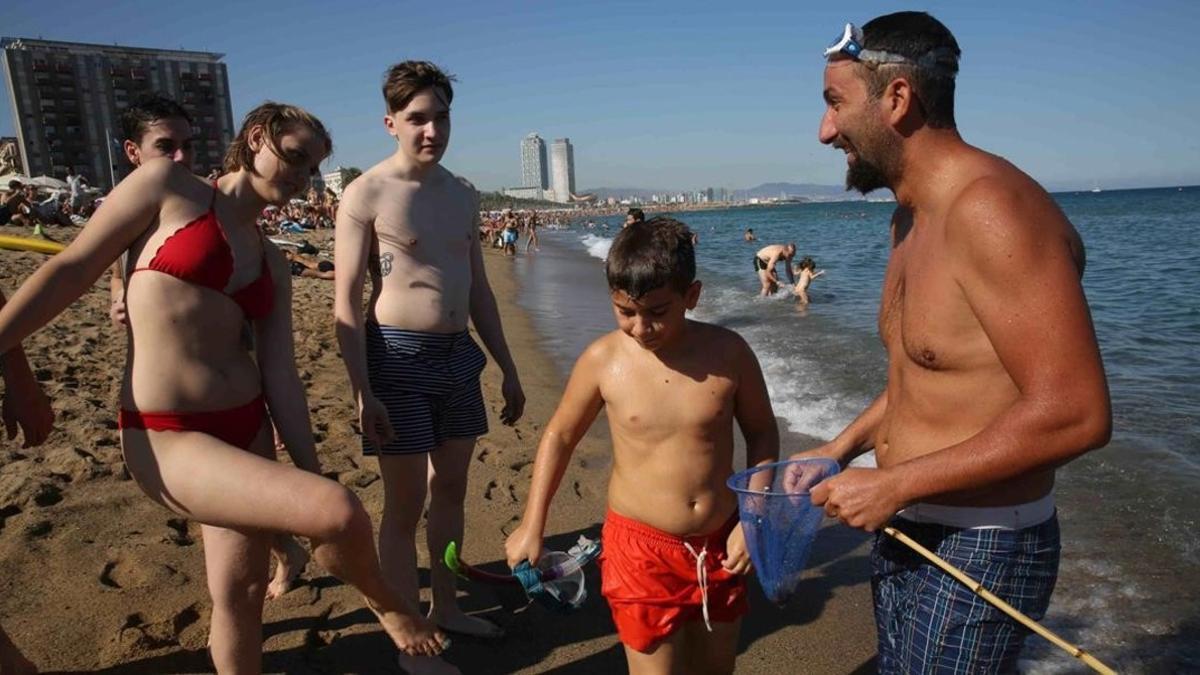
{"x": 194, "y": 404}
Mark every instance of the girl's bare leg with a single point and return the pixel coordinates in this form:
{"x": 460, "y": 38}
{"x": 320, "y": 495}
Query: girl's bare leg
{"x": 219, "y": 485}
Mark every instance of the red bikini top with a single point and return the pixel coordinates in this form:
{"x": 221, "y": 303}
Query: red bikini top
{"x": 199, "y": 253}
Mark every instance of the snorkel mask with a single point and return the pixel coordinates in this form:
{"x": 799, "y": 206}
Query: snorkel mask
{"x": 850, "y": 46}
{"x": 556, "y": 583}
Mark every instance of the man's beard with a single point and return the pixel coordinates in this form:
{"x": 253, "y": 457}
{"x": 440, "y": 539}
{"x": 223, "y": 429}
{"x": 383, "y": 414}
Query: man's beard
{"x": 866, "y": 175}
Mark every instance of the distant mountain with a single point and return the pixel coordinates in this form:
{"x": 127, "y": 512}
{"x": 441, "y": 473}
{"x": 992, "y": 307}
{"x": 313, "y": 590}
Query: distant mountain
{"x": 623, "y": 192}
{"x": 797, "y": 191}
{"x": 810, "y": 191}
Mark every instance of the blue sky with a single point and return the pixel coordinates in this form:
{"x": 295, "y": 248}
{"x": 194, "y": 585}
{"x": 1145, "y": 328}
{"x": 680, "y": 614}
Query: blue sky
{"x": 685, "y": 95}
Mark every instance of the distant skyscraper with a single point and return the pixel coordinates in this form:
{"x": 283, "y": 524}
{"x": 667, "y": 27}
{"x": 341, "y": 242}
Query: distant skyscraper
{"x": 563, "y": 156}
{"x": 534, "y": 172}
{"x": 67, "y": 97}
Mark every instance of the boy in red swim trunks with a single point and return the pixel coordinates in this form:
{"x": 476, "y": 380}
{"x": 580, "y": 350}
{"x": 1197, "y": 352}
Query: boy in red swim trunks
{"x": 674, "y": 553}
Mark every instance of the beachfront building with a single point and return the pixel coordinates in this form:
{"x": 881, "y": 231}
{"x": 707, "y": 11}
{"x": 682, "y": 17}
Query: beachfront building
{"x": 337, "y": 180}
{"x": 67, "y": 99}
{"x": 562, "y": 156}
{"x": 524, "y": 192}
{"x": 534, "y": 170}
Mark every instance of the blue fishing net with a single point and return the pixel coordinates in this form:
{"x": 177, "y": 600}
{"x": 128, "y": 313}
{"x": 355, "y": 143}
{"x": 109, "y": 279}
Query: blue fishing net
{"x": 779, "y": 519}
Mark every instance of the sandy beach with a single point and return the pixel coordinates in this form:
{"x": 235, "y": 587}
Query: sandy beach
{"x": 98, "y": 578}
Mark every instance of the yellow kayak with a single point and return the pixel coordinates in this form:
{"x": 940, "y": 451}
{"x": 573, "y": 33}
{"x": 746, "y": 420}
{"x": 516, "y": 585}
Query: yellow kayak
{"x": 27, "y": 244}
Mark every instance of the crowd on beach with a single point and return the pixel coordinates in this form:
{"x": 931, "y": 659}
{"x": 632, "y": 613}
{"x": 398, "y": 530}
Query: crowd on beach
{"x": 994, "y": 376}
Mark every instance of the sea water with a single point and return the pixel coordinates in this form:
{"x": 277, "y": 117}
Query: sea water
{"x": 1127, "y": 588}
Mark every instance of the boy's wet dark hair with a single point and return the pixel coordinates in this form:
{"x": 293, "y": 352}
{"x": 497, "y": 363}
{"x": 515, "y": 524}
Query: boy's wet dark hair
{"x": 807, "y": 263}
{"x": 653, "y": 254}
{"x": 916, "y": 35}
{"x": 146, "y": 111}
{"x": 639, "y": 216}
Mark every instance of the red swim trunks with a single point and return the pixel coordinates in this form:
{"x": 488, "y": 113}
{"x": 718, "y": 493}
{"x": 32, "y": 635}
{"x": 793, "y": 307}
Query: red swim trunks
{"x": 655, "y": 581}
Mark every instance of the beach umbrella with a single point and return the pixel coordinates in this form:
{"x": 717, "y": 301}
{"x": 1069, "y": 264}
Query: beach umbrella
{"x": 48, "y": 182}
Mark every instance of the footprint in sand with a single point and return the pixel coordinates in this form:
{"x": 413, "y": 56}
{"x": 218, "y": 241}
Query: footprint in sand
{"x": 487, "y": 493}
{"x": 133, "y": 572}
{"x": 8, "y": 512}
{"x": 178, "y": 532}
{"x": 507, "y": 528}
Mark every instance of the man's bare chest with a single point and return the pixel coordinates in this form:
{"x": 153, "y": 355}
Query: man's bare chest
{"x": 924, "y": 316}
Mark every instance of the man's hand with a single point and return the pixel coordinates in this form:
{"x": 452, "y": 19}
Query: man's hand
{"x": 514, "y": 400}
{"x": 26, "y": 406}
{"x": 802, "y": 477}
{"x": 524, "y": 544}
{"x": 373, "y": 417}
{"x": 861, "y": 498}
{"x": 737, "y": 559}
{"x": 116, "y": 312}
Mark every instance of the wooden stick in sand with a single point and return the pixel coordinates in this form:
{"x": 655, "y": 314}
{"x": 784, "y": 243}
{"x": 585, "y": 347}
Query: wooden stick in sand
{"x": 1003, "y": 606}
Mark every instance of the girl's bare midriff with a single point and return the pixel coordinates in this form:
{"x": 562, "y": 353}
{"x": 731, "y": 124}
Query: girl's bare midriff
{"x": 187, "y": 350}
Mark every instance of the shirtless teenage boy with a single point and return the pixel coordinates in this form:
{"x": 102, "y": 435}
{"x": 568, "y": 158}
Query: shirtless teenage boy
{"x": 672, "y": 389}
{"x": 413, "y": 366}
{"x": 994, "y": 376}
{"x": 764, "y": 265}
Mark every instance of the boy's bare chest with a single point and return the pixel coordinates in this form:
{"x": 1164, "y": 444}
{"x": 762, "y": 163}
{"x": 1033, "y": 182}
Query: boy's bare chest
{"x": 667, "y": 402}
{"x": 425, "y": 226}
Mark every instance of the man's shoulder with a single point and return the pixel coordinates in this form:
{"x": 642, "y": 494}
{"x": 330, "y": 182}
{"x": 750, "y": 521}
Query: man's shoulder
{"x": 1002, "y": 209}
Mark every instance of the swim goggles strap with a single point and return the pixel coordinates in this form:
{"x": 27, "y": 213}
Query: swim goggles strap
{"x": 702, "y": 579}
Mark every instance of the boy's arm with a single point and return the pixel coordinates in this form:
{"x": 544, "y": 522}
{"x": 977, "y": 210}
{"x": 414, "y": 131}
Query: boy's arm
{"x": 277, "y": 361}
{"x": 353, "y": 235}
{"x": 486, "y": 317}
{"x": 580, "y": 404}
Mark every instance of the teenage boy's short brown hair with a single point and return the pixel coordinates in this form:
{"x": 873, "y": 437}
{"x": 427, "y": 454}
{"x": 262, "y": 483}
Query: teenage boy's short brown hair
{"x": 409, "y": 78}
{"x": 649, "y": 255}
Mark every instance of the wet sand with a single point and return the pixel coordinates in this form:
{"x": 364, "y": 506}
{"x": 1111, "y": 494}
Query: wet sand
{"x": 96, "y": 577}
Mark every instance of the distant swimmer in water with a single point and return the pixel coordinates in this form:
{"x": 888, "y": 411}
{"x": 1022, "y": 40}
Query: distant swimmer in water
{"x": 764, "y": 265}
{"x": 749, "y": 236}
{"x": 805, "y": 272}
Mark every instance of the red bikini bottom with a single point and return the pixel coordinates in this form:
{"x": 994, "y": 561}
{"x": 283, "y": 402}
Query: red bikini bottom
{"x": 236, "y": 426}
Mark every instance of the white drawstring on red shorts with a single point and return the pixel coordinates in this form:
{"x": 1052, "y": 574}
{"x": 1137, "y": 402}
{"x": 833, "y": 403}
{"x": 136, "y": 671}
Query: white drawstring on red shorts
{"x": 702, "y": 579}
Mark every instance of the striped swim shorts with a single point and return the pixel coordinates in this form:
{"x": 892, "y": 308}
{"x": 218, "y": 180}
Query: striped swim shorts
{"x": 429, "y": 383}
{"x": 928, "y": 622}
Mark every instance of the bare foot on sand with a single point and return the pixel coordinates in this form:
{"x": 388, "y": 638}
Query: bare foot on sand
{"x": 426, "y": 665}
{"x": 413, "y": 634}
{"x": 290, "y": 560}
{"x": 455, "y": 621}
